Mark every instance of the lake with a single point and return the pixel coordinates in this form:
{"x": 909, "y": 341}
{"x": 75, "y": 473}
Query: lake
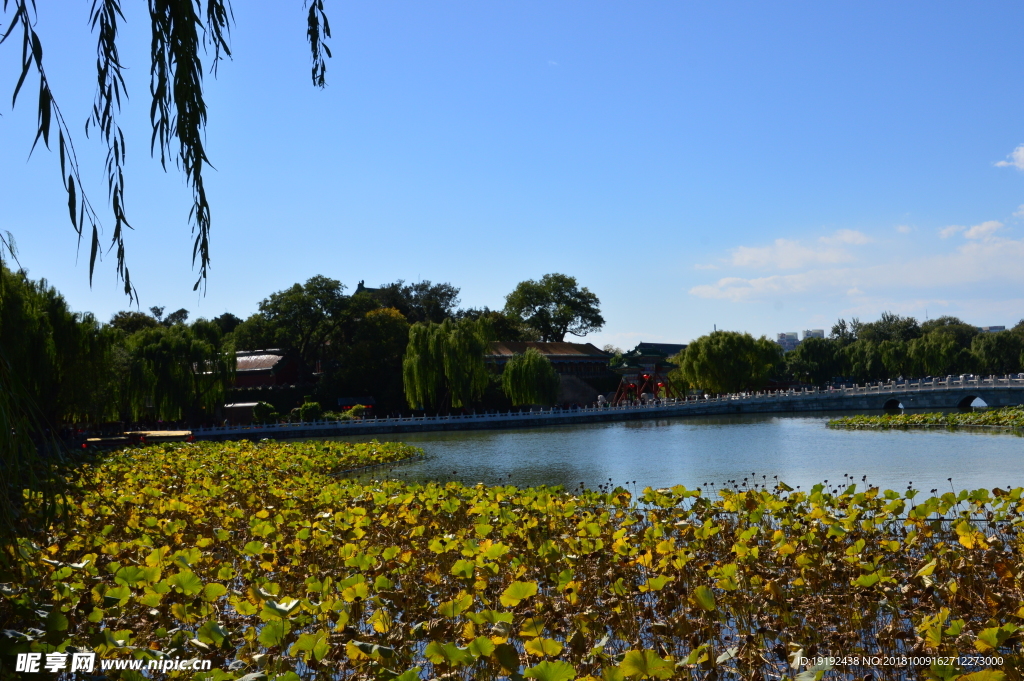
{"x": 698, "y": 451}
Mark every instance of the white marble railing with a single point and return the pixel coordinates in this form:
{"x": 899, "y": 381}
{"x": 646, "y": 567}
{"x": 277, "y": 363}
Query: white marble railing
{"x": 668, "y": 406}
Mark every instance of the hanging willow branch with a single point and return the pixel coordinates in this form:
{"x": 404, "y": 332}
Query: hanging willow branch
{"x": 83, "y": 216}
{"x": 318, "y": 29}
{"x": 181, "y": 31}
{"x": 110, "y": 86}
{"x": 530, "y": 379}
{"x": 179, "y": 107}
{"x": 444, "y": 363}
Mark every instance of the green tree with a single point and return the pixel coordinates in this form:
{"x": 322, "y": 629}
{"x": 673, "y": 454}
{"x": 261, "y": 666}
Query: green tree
{"x": 179, "y": 372}
{"x": 130, "y": 321}
{"x": 963, "y": 332}
{"x": 863, "y": 361}
{"x": 890, "y": 327}
{"x": 371, "y": 362}
{"x": 530, "y": 378}
{"x": 555, "y": 306}
{"x": 176, "y": 317}
{"x": 845, "y": 333}
{"x": 56, "y": 356}
{"x": 815, "y": 360}
{"x": 895, "y": 358}
{"x": 997, "y": 353}
{"x": 729, "y": 362}
{"x": 227, "y": 322}
{"x": 937, "y": 354}
{"x": 503, "y": 327}
{"x": 444, "y": 364}
{"x": 50, "y": 361}
{"x": 420, "y": 302}
{"x": 305, "y": 318}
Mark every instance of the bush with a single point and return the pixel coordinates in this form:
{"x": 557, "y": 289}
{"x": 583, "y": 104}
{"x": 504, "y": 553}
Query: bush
{"x": 264, "y": 412}
{"x": 310, "y": 411}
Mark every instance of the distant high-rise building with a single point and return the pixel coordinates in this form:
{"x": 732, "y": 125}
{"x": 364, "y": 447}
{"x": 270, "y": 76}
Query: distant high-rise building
{"x": 788, "y": 340}
{"x": 991, "y": 329}
{"x": 814, "y": 333}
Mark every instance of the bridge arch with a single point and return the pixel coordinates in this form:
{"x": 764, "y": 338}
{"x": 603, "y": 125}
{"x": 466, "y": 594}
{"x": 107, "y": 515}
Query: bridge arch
{"x": 892, "y": 404}
{"x": 969, "y": 401}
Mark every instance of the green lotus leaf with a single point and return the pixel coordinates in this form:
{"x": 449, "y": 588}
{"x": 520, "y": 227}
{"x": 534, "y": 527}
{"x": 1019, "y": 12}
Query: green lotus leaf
{"x": 213, "y": 633}
{"x": 646, "y": 664}
{"x": 463, "y": 569}
{"x": 213, "y": 591}
{"x": 254, "y": 548}
{"x": 704, "y": 598}
{"x": 517, "y": 592}
{"x": 551, "y": 671}
{"x": 279, "y": 609}
{"x": 543, "y": 647}
{"x": 481, "y": 646}
{"x": 456, "y": 606}
{"x": 186, "y": 582}
{"x": 311, "y": 645}
{"x": 447, "y": 653}
{"x": 273, "y": 633}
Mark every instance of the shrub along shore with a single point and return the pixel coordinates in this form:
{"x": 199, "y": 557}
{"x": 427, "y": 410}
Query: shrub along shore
{"x": 1006, "y": 417}
{"x": 262, "y": 559}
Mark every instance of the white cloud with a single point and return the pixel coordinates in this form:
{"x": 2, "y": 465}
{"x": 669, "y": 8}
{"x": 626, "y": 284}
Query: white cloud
{"x": 787, "y": 254}
{"x": 947, "y": 232}
{"x": 984, "y": 230}
{"x": 1016, "y": 159}
{"x": 1019, "y": 213}
{"x": 985, "y": 259}
{"x": 847, "y": 236}
{"x": 904, "y": 229}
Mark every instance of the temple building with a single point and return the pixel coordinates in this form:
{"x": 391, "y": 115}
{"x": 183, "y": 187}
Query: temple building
{"x": 568, "y": 359}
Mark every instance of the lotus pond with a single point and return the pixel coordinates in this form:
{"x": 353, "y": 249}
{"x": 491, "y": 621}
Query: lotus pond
{"x": 265, "y": 560}
{"x": 1006, "y": 417}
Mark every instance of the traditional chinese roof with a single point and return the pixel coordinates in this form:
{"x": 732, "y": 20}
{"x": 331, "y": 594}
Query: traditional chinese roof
{"x": 257, "y": 360}
{"x": 667, "y": 349}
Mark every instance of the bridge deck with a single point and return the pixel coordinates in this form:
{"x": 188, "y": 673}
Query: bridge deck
{"x": 945, "y": 394}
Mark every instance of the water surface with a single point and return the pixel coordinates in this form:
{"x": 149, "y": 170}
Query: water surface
{"x": 697, "y": 451}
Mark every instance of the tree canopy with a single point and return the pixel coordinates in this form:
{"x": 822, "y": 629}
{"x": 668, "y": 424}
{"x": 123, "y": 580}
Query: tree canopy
{"x": 729, "y": 361}
{"x": 303, "y": 317}
{"x": 555, "y": 306}
{"x": 444, "y": 364}
{"x": 530, "y": 378}
{"x": 422, "y": 301}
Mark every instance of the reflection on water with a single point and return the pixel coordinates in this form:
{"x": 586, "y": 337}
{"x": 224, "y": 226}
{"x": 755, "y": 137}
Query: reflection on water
{"x": 799, "y": 449}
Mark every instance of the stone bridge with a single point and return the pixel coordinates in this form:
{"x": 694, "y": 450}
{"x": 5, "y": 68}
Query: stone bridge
{"x": 936, "y": 394}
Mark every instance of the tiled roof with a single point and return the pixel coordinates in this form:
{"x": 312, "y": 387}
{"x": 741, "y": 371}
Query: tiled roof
{"x": 256, "y": 362}
{"x": 667, "y": 349}
{"x": 564, "y": 351}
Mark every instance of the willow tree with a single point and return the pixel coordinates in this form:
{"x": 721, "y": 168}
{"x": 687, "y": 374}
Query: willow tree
{"x": 50, "y": 358}
{"x": 728, "y": 361}
{"x": 529, "y": 378}
{"x": 936, "y": 354}
{"x": 444, "y": 364}
{"x": 178, "y": 371}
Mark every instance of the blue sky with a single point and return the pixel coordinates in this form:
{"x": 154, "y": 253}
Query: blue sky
{"x": 760, "y": 166}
